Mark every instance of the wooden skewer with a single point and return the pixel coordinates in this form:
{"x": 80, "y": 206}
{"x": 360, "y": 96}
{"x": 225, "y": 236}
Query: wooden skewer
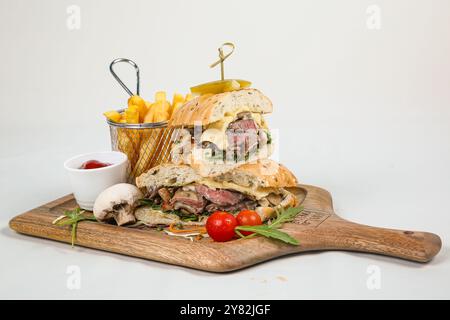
{"x": 222, "y": 58}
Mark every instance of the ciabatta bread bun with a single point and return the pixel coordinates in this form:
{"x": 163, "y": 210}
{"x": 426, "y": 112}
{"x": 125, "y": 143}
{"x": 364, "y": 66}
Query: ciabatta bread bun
{"x": 211, "y": 108}
{"x": 257, "y": 179}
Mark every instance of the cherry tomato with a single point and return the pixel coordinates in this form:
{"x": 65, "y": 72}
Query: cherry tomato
{"x": 220, "y": 226}
{"x": 94, "y": 164}
{"x": 248, "y": 218}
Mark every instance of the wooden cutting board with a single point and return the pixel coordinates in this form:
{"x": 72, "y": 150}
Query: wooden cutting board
{"x": 316, "y": 228}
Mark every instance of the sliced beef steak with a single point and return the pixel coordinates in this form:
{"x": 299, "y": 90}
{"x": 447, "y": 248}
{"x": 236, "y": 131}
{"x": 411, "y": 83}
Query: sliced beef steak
{"x": 243, "y": 136}
{"x": 243, "y": 124}
{"x": 219, "y": 196}
{"x": 190, "y": 201}
{"x": 197, "y": 198}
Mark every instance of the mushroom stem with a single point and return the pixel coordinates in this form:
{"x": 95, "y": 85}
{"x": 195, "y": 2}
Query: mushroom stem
{"x": 117, "y": 202}
{"x": 124, "y": 216}
{"x": 265, "y": 213}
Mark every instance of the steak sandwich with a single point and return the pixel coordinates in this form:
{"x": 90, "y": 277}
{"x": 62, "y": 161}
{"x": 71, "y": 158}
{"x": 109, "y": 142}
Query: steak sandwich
{"x": 216, "y": 133}
{"x": 263, "y": 186}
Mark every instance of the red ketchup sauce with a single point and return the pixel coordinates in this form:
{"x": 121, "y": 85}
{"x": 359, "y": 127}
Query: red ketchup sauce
{"x": 94, "y": 164}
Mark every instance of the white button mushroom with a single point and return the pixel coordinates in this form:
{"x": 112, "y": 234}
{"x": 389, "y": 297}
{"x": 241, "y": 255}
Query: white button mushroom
{"x": 117, "y": 202}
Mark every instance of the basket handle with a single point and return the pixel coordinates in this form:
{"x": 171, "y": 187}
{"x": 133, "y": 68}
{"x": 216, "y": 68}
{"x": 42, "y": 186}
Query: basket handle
{"x": 119, "y": 80}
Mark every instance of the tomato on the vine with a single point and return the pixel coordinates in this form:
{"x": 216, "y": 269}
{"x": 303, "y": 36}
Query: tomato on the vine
{"x": 248, "y": 218}
{"x": 220, "y": 226}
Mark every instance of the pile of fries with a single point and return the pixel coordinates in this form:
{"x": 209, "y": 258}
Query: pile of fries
{"x": 145, "y": 147}
{"x": 142, "y": 111}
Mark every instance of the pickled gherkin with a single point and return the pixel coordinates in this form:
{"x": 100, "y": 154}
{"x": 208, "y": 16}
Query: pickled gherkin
{"x": 220, "y": 86}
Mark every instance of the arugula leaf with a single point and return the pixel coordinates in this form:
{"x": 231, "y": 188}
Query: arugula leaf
{"x": 287, "y": 215}
{"x": 269, "y": 137}
{"x": 269, "y": 232}
{"x": 184, "y": 216}
{"x": 189, "y": 218}
{"x": 148, "y": 202}
{"x": 72, "y": 217}
{"x": 74, "y": 233}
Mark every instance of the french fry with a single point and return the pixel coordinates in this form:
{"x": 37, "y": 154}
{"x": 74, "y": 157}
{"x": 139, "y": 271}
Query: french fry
{"x": 177, "y": 98}
{"x": 161, "y": 106}
{"x": 133, "y": 107}
{"x": 188, "y": 97}
{"x": 112, "y": 115}
{"x": 176, "y": 106}
{"x": 140, "y": 104}
{"x": 142, "y": 146}
{"x": 132, "y": 115}
{"x": 160, "y": 96}
{"x": 166, "y": 106}
{"x": 161, "y": 116}
{"x": 137, "y": 100}
{"x": 161, "y": 102}
{"x": 150, "y": 114}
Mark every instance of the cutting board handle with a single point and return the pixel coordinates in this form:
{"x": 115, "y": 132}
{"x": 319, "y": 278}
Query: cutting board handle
{"x": 411, "y": 245}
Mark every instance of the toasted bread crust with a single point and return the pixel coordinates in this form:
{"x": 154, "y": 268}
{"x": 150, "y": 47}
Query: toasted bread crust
{"x": 167, "y": 175}
{"x": 207, "y": 109}
{"x": 260, "y": 174}
{"x": 269, "y": 173}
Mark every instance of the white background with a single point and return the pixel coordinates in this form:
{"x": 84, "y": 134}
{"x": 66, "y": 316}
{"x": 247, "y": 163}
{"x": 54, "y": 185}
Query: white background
{"x": 363, "y": 113}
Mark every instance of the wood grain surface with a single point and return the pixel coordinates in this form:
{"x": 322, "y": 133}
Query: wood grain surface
{"x": 316, "y": 228}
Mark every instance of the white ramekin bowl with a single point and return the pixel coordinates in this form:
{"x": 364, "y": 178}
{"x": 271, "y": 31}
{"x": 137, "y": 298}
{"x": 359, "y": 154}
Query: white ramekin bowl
{"x": 88, "y": 183}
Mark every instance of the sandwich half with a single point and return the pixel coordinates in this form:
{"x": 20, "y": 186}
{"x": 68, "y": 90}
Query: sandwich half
{"x": 178, "y": 190}
{"x": 216, "y": 133}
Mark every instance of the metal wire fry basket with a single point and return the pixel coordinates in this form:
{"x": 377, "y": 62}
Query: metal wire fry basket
{"x": 146, "y": 144}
